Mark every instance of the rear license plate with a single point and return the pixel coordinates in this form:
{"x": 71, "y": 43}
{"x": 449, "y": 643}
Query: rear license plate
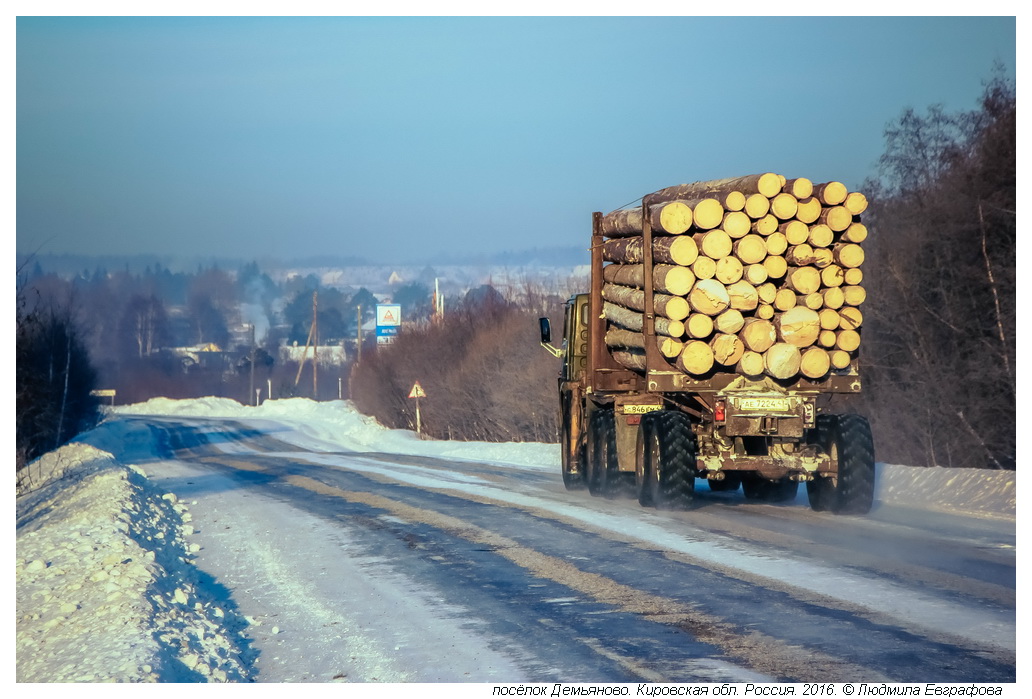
{"x": 773, "y": 404}
{"x": 640, "y": 409}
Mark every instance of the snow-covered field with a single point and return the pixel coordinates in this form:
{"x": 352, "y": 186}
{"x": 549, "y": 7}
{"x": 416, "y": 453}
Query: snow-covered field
{"x": 106, "y": 587}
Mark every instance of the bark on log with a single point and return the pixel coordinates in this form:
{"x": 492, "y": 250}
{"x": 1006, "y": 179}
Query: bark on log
{"x": 768, "y": 184}
{"x": 673, "y": 217}
{"x": 829, "y": 193}
{"x": 814, "y": 363}
{"x": 675, "y": 250}
{"x": 727, "y": 349}
{"x": 699, "y": 325}
{"x": 632, "y": 320}
{"x": 751, "y": 249}
{"x": 822, "y": 257}
{"x": 799, "y": 255}
{"x": 837, "y": 218}
{"x": 710, "y": 297}
{"x": 630, "y": 358}
{"x": 696, "y": 358}
{"x": 670, "y": 279}
{"x": 758, "y": 335}
{"x": 751, "y": 364}
{"x": 729, "y": 270}
{"x": 798, "y": 326}
{"x": 782, "y": 360}
{"x": 619, "y": 338}
{"x": 743, "y": 296}
{"x": 672, "y": 307}
{"x": 855, "y": 233}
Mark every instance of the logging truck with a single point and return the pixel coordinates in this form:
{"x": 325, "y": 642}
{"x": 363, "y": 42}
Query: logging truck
{"x": 720, "y": 326}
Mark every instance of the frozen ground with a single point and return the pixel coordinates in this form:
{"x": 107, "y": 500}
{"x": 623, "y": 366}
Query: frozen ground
{"x": 106, "y": 584}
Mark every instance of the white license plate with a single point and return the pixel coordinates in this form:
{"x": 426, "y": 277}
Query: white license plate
{"x": 640, "y": 409}
{"x": 775, "y": 404}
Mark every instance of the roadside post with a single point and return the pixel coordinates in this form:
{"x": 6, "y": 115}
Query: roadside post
{"x": 417, "y": 392}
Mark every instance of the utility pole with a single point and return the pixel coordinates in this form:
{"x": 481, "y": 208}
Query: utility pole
{"x": 252, "y": 361}
{"x": 358, "y": 348}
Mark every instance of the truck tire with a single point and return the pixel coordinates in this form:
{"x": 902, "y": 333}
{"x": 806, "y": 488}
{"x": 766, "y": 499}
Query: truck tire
{"x": 603, "y": 472}
{"x": 572, "y": 454}
{"x": 851, "y": 492}
{"x": 665, "y": 461}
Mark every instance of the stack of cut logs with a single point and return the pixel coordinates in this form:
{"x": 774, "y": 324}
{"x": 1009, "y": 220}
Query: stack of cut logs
{"x": 756, "y": 275}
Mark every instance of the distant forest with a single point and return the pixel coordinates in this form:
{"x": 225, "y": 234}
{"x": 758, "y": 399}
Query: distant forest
{"x": 939, "y": 333}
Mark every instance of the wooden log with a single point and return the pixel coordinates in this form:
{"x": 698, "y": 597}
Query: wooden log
{"x": 829, "y": 193}
{"x": 847, "y": 340}
{"x": 782, "y": 360}
{"x": 758, "y": 335}
{"x": 733, "y": 201}
{"x": 832, "y": 275}
{"x": 833, "y": 297}
{"x": 669, "y": 347}
{"x": 742, "y": 296}
{"x": 730, "y": 321}
{"x": 755, "y": 274}
{"x": 766, "y": 292}
{"x": 814, "y": 363}
{"x": 699, "y": 325}
{"x": 827, "y": 339}
{"x": 714, "y": 244}
{"x": 707, "y": 213}
{"x": 619, "y": 338}
{"x": 798, "y": 326}
{"x": 856, "y": 203}
{"x": 799, "y": 255}
{"x": 840, "y": 359}
{"x": 853, "y": 276}
{"x": 855, "y": 233}
{"x": 822, "y": 257}
{"x": 633, "y": 320}
{"x": 674, "y": 217}
{"x": 850, "y": 318}
{"x": 808, "y": 210}
{"x": 848, "y": 254}
{"x": 672, "y": 307}
{"x": 768, "y": 184}
{"x": 736, "y": 224}
{"x": 784, "y": 300}
{"x": 853, "y": 295}
{"x": 676, "y": 250}
{"x": 803, "y": 280}
{"x": 795, "y": 232}
{"x": 764, "y": 311}
{"x": 800, "y": 187}
{"x": 814, "y": 301}
{"x": 727, "y": 349}
{"x": 757, "y": 206}
{"x": 670, "y": 279}
{"x": 751, "y": 249}
{"x": 729, "y": 270}
{"x": 829, "y": 318}
{"x": 696, "y": 358}
{"x": 765, "y": 225}
{"x": 751, "y": 364}
{"x": 784, "y": 206}
{"x": 633, "y": 359}
{"x": 837, "y": 218}
{"x": 776, "y": 266}
{"x": 820, "y": 236}
{"x": 709, "y": 297}
{"x": 776, "y": 243}
{"x": 704, "y": 267}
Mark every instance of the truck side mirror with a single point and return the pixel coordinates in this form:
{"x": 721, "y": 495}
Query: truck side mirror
{"x": 546, "y": 330}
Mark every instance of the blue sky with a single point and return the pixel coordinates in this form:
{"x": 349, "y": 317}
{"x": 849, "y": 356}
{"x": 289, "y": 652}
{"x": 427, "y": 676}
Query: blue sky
{"x": 400, "y": 139}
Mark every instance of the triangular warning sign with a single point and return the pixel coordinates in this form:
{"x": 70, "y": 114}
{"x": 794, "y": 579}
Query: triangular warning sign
{"x": 388, "y": 316}
{"x": 417, "y": 391}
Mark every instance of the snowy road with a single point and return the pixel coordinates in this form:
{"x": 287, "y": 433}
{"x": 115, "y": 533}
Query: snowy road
{"x": 368, "y": 566}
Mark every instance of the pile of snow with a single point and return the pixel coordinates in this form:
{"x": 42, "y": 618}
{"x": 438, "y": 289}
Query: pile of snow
{"x": 106, "y": 590}
{"x": 106, "y": 586}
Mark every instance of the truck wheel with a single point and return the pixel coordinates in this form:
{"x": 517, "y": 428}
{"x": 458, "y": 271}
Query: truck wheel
{"x": 851, "y": 492}
{"x": 603, "y": 473}
{"x": 666, "y": 456}
{"x": 572, "y": 454}
{"x": 821, "y": 490}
